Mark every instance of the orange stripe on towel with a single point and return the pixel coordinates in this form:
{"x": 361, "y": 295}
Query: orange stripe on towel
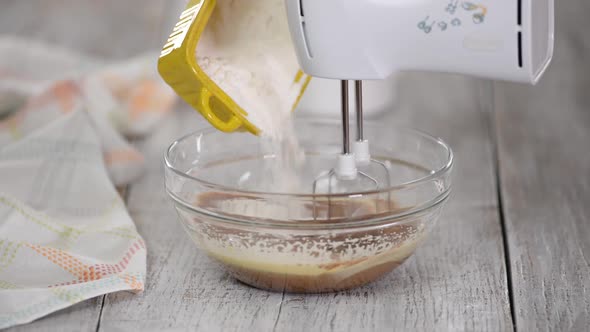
{"x": 65, "y": 92}
{"x": 148, "y": 97}
{"x": 122, "y": 156}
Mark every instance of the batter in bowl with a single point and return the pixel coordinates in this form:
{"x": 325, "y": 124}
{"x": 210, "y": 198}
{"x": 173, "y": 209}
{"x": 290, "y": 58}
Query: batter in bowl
{"x": 304, "y": 262}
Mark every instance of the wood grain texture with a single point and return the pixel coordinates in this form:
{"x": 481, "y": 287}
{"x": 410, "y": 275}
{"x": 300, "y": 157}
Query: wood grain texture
{"x": 544, "y": 158}
{"x": 77, "y": 318}
{"x": 456, "y": 282}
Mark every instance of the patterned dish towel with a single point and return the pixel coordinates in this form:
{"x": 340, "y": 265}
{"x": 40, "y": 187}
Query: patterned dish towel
{"x": 65, "y": 234}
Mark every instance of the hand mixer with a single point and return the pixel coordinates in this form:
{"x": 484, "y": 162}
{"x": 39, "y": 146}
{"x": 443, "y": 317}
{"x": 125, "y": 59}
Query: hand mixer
{"x": 370, "y": 40}
{"x": 356, "y": 40}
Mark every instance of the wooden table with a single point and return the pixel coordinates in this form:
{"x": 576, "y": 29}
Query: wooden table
{"x": 511, "y": 251}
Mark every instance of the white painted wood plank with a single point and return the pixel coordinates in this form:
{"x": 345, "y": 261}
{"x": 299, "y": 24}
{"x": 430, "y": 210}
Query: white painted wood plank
{"x": 544, "y": 156}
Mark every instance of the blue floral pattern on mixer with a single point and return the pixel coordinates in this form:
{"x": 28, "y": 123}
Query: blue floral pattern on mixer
{"x": 477, "y": 11}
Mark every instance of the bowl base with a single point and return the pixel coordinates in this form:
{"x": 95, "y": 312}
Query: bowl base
{"x": 301, "y": 284}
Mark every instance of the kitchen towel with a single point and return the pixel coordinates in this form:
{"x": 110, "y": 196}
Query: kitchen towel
{"x": 65, "y": 234}
{"x": 38, "y": 83}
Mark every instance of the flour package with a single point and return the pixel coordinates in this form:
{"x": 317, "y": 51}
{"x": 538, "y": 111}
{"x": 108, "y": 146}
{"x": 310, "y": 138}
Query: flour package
{"x": 246, "y": 50}
{"x": 234, "y": 62}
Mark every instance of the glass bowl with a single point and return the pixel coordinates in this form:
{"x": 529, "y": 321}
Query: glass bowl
{"x": 301, "y": 241}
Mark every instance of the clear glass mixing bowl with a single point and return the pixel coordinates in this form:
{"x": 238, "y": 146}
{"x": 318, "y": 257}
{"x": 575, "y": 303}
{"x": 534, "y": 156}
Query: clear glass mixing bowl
{"x": 300, "y": 241}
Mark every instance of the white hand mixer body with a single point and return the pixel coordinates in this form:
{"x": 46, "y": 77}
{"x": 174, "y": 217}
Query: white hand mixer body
{"x": 371, "y": 39}
{"x": 358, "y": 40}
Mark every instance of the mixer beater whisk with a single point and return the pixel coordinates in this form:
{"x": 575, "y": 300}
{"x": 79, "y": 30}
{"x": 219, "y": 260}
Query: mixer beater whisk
{"x": 351, "y": 171}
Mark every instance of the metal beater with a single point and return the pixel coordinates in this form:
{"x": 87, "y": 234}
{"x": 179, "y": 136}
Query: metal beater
{"x": 346, "y": 177}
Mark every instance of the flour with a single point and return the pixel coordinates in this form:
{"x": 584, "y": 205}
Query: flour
{"x": 247, "y": 51}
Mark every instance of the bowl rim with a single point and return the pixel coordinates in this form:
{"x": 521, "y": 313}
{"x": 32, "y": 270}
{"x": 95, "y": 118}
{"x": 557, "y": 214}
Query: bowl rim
{"x": 395, "y": 218}
{"x": 445, "y": 168}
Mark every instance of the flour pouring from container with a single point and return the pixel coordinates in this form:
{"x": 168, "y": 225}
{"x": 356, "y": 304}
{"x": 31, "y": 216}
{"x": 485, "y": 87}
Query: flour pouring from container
{"x": 361, "y": 40}
{"x": 343, "y": 40}
{"x": 359, "y": 213}
{"x": 233, "y": 61}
